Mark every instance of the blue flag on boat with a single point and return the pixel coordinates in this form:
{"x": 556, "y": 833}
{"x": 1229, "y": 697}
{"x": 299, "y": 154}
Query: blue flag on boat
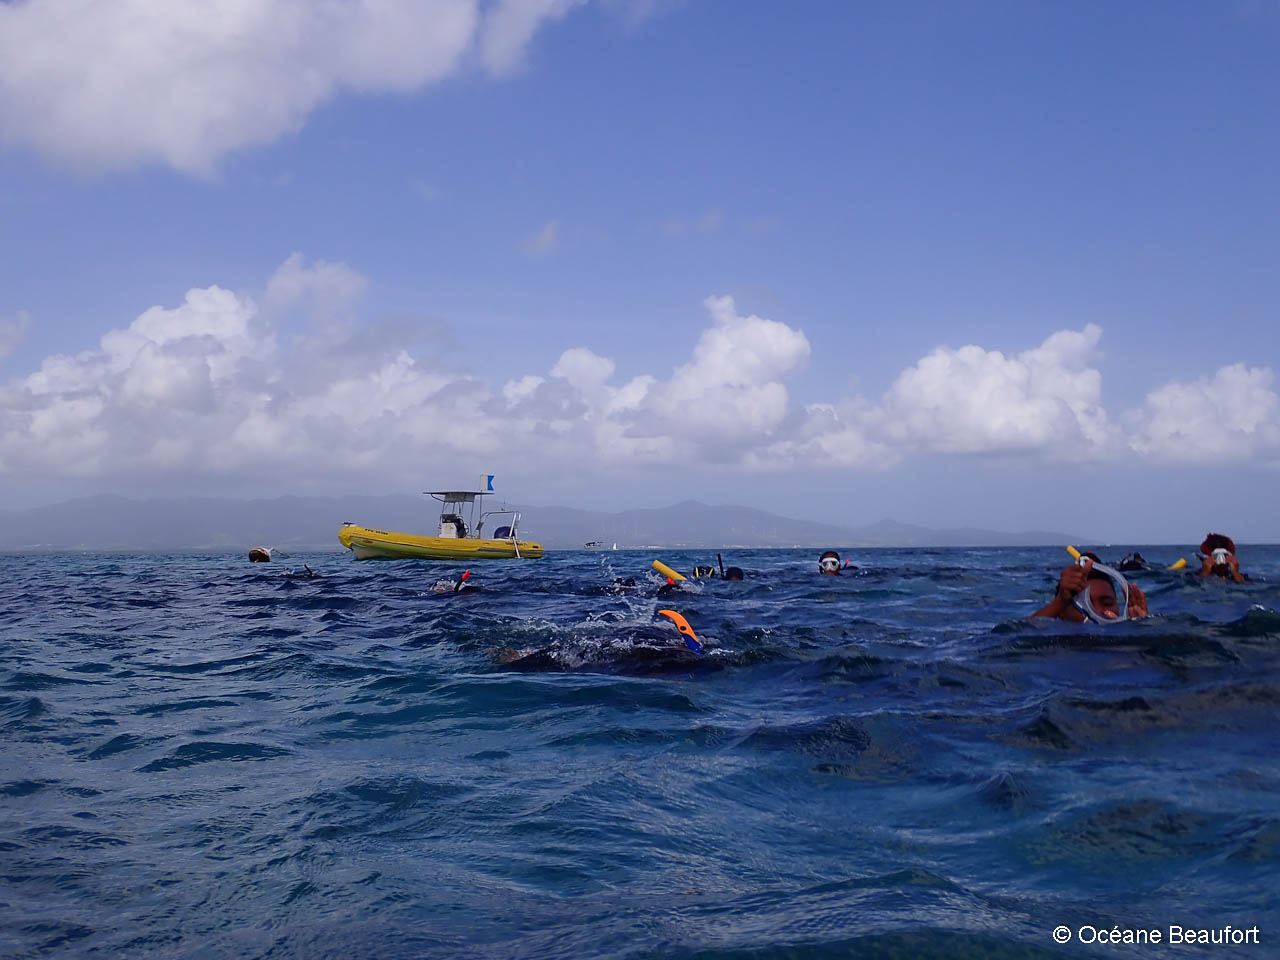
{"x": 488, "y": 483}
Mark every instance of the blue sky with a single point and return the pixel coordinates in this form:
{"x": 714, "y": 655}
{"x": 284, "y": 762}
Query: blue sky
{"x": 1008, "y": 264}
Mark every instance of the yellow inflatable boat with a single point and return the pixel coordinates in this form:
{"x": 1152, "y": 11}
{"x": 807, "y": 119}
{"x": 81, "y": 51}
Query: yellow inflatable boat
{"x": 459, "y": 538}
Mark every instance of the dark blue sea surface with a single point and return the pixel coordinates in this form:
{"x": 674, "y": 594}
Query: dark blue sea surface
{"x": 204, "y": 757}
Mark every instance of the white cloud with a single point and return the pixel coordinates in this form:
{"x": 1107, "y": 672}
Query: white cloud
{"x": 13, "y": 331}
{"x": 1044, "y": 402}
{"x": 510, "y": 25}
{"x": 516, "y": 391}
{"x": 544, "y": 242}
{"x": 733, "y": 387}
{"x": 170, "y": 381}
{"x": 1229, "y": 418}
{"x": 830, "y": 435}
{"x": 208, "y": 391}
{"x": 587, "y": 372}
{"x": 111, "y": 86}
{"x": 973, "y": 400}
{"x": 323, "y": 287}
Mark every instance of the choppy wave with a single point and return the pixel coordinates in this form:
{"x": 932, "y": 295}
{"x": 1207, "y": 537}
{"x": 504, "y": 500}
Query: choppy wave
{"x": 204, "y": 758}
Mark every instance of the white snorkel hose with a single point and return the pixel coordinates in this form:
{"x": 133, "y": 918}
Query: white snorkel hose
{"x": 1084, "y": 602}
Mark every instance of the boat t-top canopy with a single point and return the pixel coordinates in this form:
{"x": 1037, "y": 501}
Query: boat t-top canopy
{"x": 458, "y": 496}
{"x": 458, "y": 515}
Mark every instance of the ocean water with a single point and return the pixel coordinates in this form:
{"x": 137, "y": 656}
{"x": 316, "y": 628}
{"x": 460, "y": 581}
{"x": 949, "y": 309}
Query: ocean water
{"x": 203, "y": 757}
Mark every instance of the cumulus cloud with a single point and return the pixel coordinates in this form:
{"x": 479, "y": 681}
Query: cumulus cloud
{"x": 1230, "y": 417}
{"x": 110, "y": 86}
{"x": 733, "y": 387}
{"x": 211, "y": 389}
{"x": 973, "y": 400}
{"x": 156, "y": 390}
{"x": 1045, "y": 402}
{"x": 844, "y": 434}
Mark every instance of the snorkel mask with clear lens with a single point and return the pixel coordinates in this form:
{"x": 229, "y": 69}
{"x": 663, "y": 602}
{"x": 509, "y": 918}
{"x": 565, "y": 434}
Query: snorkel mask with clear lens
{"x": 1084, "y": 600}
{"x": 829, "y": 564}
{"x": 1220, "y": 556}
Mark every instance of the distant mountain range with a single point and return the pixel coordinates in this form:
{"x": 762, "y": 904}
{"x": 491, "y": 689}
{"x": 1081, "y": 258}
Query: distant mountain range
{"x": 312, "y": 523}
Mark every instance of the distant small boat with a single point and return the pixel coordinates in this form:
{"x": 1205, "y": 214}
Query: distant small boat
{"x": 594, "y": 544}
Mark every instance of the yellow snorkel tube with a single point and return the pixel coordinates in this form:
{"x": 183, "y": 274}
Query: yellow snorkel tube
{"x": 666, "y": 571}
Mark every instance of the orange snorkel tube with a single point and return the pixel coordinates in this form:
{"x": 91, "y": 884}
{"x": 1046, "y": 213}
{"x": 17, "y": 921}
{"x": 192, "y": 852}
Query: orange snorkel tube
{"x": 690, "y": 638}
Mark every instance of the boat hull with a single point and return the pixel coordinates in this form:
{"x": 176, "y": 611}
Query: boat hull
{"x": 370, "y": 544}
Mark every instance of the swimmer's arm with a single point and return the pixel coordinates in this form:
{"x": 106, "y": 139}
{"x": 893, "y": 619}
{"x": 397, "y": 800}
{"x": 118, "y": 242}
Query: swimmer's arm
{"x": 1070, "y": 582}
{"x": 1234, "y": 564}
{"x": 1053, "y": 609}
{"x": 1206, "y": 567}
{"x": 1060, "y": 609}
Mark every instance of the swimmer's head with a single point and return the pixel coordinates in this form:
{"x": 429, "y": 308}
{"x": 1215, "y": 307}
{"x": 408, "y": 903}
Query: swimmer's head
{"x": 1105, "y": 597}
{"x": 733, "y": 573}
{"x": 1217, "y": 541}
{"x": 829, "y": 563}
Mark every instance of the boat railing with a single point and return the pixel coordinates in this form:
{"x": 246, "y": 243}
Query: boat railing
{"x": 511, "y": 529}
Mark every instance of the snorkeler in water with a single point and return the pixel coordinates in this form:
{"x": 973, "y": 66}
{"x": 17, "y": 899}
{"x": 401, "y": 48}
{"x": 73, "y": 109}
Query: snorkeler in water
{"x": 1087, "y": 590}
{"x": 829, "y": 564}
{"x": 1130, "y": 562}
{"x": 455, "y": 586}
{"x": 1219, "y": 552}
{"x": 702, "y": 571}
